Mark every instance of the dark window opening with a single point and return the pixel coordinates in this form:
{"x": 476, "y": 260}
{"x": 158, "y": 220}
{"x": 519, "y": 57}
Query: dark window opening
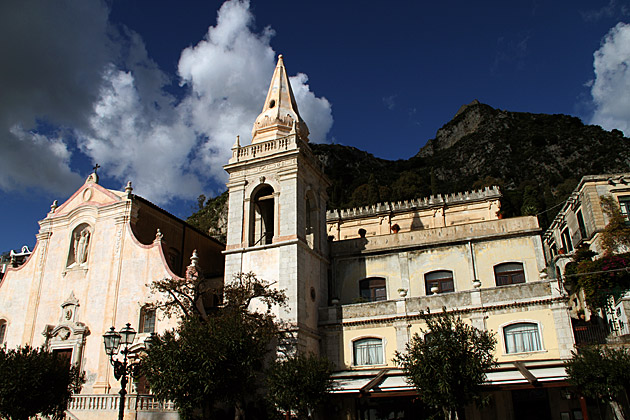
{"x": 624, "y": 206}
{"x": 65, "y": 355}
{"x": 580, "y": 220}
{"x": 373, "y": 289}
{"x": 174, "y": 260}
{"x": 311, "y": 225}
{"x": 263, "y": 223}
{"x": 443, "y": 279}
{"x": 566, "y": 240}
{"x": 509, "y": 273}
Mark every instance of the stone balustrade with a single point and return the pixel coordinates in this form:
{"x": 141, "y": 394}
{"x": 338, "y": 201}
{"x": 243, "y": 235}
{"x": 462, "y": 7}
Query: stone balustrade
{"x": 110, "y": 402}
{"x": 263, "y": 149}
{"x": 486, "y": 299}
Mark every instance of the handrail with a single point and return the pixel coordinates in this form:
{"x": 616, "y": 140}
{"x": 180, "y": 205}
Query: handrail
{"x": 109, "y": 402}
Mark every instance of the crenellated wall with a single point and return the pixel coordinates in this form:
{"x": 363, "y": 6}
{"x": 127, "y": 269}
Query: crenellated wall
{"x": 412, "y": 215}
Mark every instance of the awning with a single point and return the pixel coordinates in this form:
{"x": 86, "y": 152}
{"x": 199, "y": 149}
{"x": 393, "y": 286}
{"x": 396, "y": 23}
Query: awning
{"x": 393, "y": 380}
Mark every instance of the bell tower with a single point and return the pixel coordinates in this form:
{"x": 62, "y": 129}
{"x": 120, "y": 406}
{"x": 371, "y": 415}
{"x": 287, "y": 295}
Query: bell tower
{"x": 277, "y": 211}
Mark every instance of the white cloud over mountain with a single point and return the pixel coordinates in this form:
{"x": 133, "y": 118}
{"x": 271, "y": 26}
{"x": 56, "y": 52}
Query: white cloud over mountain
{"x": 102, "y": 94}
{"x": 611, "y": 87}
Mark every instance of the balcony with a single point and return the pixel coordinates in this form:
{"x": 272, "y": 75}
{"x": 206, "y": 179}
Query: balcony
{"x": 587, "y": 333}
{"x": 105, "y": 406}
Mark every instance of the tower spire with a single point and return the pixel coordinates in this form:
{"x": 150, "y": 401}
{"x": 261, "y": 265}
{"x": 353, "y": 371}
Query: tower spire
{"x": 280, "y": 111}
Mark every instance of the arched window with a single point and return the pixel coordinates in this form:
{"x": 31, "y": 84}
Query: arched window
{"x": 522, "y": 337}
{"x": 3, "y": 331}
{"x": 368, "y": 351}
{"x": 262, "y": 224}
{"x": 443, "y": 279}
{"x": 147, "y": 320}
{"x": 509, "y": 273}
{"x": 79, "y": 245}
{"x": 373, "y": 289}
{"x": 310, "y": 219}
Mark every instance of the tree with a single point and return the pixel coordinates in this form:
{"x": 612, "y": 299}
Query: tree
{"x": 299, "y": 383}
{"x": 604, "y": 277}
{"x": 616, "y": 234}
{"x": 214, "y": 356}
{"x": 36, "y": 381}
{"x": 601, "y": 373}
{"x": 448, "y": 365}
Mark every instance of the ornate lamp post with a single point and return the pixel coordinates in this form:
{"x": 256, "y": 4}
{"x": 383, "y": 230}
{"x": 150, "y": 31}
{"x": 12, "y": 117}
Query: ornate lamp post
{"x": 113, "y": 341}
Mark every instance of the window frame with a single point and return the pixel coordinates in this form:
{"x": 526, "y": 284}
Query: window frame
{"x": 565, "y": 236}
{"x": 579, "y": 216}
{"x": 510, "y": 273}
{"x": 440, "y": 282}
{"x": 358, "y": 340}
{"x": 522, "y": 322}
{"x": 624, "y": 207}
{"x": 374, "y": 284}
{"x": 4, "y": 326}
{"x": 262, "y": 223}
{"x": 144, "y": 315}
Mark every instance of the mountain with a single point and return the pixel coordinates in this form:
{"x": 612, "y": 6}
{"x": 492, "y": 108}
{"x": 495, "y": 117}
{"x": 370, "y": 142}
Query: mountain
{"x": 536, "y": 159}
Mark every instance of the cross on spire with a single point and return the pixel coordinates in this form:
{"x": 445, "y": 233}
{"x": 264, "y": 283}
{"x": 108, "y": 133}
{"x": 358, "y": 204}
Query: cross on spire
{"x": 96, "y": 167}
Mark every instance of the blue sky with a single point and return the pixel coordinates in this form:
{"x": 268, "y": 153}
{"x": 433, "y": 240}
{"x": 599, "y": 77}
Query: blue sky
{"x": 156, "y": 91}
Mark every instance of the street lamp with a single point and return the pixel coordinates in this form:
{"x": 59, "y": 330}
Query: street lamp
{"x": 113, "y": 341}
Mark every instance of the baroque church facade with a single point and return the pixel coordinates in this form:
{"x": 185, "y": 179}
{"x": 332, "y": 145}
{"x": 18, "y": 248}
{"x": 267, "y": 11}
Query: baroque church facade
{"x": 95, "y": 258}
{"x": 357, "y": 280}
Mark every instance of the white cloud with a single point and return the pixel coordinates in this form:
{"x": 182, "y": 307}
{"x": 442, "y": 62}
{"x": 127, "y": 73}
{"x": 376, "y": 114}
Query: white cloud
{"x": 612, "y": 80}
{"x": 103, "y": 87}
{"x": 317, "y": 112}
{"x": 229, "y": 73}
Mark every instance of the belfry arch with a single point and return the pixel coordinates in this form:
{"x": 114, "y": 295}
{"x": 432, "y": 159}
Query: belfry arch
{"x": 262, "y": 216}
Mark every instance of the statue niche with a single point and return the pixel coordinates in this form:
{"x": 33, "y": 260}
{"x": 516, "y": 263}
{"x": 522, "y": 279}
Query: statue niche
{"x": 79, "y": 245}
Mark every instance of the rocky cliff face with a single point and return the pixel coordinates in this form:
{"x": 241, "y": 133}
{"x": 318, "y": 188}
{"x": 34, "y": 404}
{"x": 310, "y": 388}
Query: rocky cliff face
{"x": 467, "y": 120}
{"x": 536, "y": 159}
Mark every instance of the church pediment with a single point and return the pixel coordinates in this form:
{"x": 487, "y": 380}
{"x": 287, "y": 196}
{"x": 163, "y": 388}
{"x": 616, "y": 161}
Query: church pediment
{"x": 90, "y": 194}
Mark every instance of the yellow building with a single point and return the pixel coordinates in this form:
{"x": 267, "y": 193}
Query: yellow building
{"x": 358, "y": 279}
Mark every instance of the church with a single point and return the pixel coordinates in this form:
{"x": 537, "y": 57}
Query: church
{"x": 357, "y": 280}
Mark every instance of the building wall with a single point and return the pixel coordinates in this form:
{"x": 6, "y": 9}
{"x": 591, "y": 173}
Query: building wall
{"x": 66, "y": 304}
{"x": 471, "y": 251}
{"x": 296, "y": 260}
{"x": 586, "y": 199}
{"x": 428, "y": 213}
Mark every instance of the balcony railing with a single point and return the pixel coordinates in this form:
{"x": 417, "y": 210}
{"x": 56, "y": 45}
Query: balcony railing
{"x": 586, "y": 334}
{"x": 109, "y": 402}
